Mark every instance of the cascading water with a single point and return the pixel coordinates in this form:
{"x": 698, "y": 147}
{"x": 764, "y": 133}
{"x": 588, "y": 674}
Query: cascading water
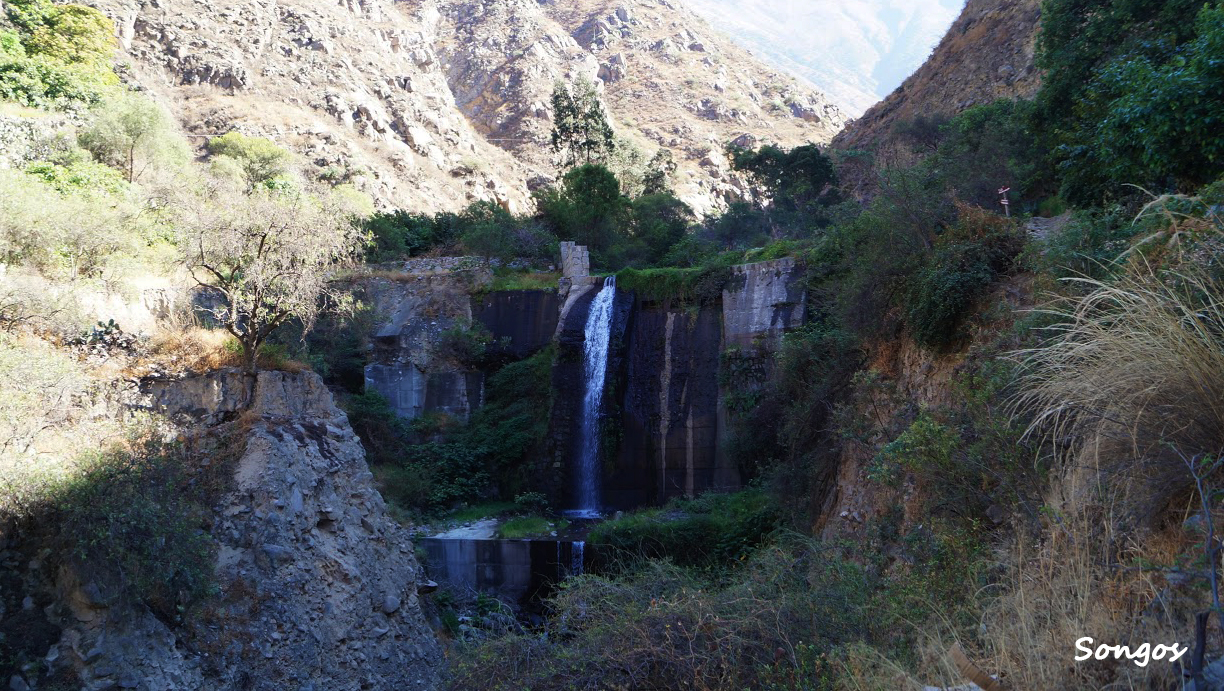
{"x": 595, "y": 368}
{"x": 576, "y": 562}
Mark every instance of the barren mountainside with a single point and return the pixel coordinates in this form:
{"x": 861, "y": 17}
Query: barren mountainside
{"x": 988, "y": 54}
{"x": 855, "y": 51}
{"x": 432, "y": 104}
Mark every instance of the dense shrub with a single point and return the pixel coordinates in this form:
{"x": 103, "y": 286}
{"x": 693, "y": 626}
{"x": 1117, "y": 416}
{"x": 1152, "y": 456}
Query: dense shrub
{"x": 401, "y": 234}
{"x": 966, "y": 261}
{"x": 512, "y": 424}
{"x": 487, "y": 229}
{"x": 1089, "y": 244}
{"x": 713, "y": 529}
{"x": 699, "y": 285}
{"x": 1130, "y": 94}
{"x": 428, "y": 465}
{"x": 135, "y": 521}
{"x": 262, "y": 162}
{"x": 773, "y": 622}
{"x": 59, "y": 56}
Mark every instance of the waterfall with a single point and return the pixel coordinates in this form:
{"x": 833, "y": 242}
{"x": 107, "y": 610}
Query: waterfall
{"x": 576, "y": 563}
{"x": 595, "y": 368}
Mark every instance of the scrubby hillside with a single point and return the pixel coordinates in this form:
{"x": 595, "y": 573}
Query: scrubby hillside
{"x": 438, "y": 104}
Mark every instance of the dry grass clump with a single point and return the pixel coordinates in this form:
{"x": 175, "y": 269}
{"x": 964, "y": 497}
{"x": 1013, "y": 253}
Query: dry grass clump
{"x": 1131, "y": 384}
{"x": 197, "y": 350}
{"x": 1084, "y": 580}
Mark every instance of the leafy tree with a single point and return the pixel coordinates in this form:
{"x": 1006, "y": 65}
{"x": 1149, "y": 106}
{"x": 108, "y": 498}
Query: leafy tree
{"x": 985, "y": 148}
{"x": 1098, "y": 59}
{"x": 262, "y": 161}
{"x": 659, "y": 222}
{"x": 58, "y": 55}
{"x": 269, "y": 256}
{"x": 658, "y": 173}
{"x": 588, "y": 209}
{"x": 792, "y": 178}
{"x": 581, "y": 133}
{"x": 132, "y": 133}
{"x": 1167, "y": 122}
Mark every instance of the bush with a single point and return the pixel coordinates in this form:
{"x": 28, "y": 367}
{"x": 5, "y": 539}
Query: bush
{"x": 464, "y": 346}
{"x": 712, "y": 530}
{"x": 1090, "y": 244}
{"x": 1131, "y": 94}
{"x": 135, "y": 521}
{"x": 701, "y": 286}
{"x": 60, "y": 55}
{"x": 262, "y": 161}
{"x": 399, "y": 234}
{"x": 770, "y": 624}
{"x": 512, "y": 424}
{"x": 966, "y": 262}
{"x": 489, "y": 230}
{"x": 76, "y": 232}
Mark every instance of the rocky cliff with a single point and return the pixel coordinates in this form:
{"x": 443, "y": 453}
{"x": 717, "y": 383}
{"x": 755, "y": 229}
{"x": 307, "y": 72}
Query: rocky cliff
{"x": 431, "y": 104}
{"x": 318, "y": 586}
{"x": 987, "y": 54}
{"x": 666, "y": 413}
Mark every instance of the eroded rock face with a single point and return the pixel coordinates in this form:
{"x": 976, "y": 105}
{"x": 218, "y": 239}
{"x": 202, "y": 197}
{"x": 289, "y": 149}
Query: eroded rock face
{"x": 318, "y": 585}
{"x": 761, "y": 302}
{"x": 432, "y": 105}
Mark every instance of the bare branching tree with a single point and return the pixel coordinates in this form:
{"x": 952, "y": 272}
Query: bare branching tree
{"x": 268, "y": 256}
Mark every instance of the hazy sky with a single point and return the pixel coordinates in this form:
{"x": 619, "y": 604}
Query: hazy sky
{"x": 857, "y": 51}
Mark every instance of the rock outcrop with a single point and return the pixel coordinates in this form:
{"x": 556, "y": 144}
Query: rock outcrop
{"x": 317, "y": 584}
{"x": 434, "y": 104}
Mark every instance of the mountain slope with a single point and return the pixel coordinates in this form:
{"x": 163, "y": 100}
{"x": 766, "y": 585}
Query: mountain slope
{"x": 436, "y": 103}
{"x": 856, "y": 51}
{"x": 987, "y": 54}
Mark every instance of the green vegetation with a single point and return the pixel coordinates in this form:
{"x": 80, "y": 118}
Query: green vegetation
{"x": 430, "y": 465}
{"x": 657, "y": 625}
{"x": 1134, "y": 95}
{"x": 131, "y": 133}
{"x": 529, "y": 526}
{"x": 581, "y": 133}
{"x": 260, "y": 160}
{"x": 58, "y": 57}
{"x": 711, "y": 530}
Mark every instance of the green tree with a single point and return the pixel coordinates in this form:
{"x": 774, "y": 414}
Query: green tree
{"x": 659, "y": 222}
{"x": 659, "y": 171}
{"x": 261, "y": 159}
{"x": 1095, "y": 57}
{"x": 581, "y": 133}
{"x": 58, "y": 55}
{"x": 1167, "y": 122}
{"x": 588, "y": 208}
{"x": 132, "y": 133}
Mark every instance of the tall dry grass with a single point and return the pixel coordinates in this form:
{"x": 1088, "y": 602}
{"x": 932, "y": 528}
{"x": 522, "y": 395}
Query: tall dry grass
{"x": 1078, "y": 583}
{"x": 1130, "y": 384}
